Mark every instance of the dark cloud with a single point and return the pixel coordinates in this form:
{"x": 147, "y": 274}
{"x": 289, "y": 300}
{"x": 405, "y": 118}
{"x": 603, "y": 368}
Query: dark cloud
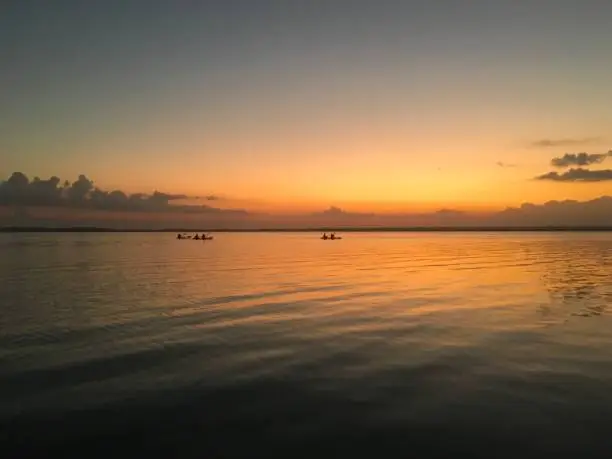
{"x": 52, "y": 202}
{"x": 212, "y": 197}
{"x": 18, "y": 190}
{"x": 546, "y": 143}
{"x": 79, "y": 190}
{"x": 597, "y": 212}
{"x": 578, "y": 175}
{"x": 170, "y": 197}
{"x": 502, "y": 164}
{"x": 579, "y": 159}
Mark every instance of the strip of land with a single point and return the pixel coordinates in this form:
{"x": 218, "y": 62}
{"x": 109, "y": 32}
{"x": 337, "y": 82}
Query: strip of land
{"x": 92, "y": 229}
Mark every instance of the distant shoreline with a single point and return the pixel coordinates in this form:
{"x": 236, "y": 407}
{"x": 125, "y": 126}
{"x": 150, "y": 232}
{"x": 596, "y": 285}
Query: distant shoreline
{"x": 408, "y": 229}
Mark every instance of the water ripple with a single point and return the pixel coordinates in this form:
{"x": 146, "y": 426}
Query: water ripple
{"x": 282, "y": 342}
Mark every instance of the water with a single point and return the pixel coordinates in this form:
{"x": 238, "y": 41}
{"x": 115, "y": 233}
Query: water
{"x": 260, "y": 345}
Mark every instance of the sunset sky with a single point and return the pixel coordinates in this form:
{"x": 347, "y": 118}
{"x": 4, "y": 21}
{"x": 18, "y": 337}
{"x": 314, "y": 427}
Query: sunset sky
{"x": 291, "y": 106}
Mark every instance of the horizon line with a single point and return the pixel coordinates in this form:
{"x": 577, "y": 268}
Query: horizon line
{"x": 391, "y": 229}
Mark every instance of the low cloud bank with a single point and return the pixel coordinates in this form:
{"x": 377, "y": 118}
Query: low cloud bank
{"x": 596, "y": 212}
{"x": 50, "y": 202}
{"x": 20, "y": 191}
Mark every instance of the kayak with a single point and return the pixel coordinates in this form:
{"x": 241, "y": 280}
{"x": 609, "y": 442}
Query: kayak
{"x": 193, "y": 238}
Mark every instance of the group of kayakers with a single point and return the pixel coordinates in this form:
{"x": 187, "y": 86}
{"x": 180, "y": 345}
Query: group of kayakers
{"x": 205, "y": 237}
{"x": 197, "y": 237}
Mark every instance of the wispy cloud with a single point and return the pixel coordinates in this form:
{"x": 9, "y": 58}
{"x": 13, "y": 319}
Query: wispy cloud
{"x": 567, "y": 142}
{"x": 505, "y": 165}
{"x": 578, "y": 175}
{"x": 579, "y": 159}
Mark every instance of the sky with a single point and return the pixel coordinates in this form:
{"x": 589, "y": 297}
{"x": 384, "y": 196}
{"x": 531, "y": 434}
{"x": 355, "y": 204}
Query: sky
{"x": 290, "y": 107}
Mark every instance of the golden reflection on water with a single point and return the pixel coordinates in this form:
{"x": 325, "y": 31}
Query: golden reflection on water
{"x": 468, "y": 285}
{"x": 405, "y": 273}
{"x": 385, "y": 318}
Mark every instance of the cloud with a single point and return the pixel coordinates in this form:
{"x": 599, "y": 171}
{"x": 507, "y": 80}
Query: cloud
{"x": 51, "y": 202}
{"x": 212, "y": 197}
{"x": 502, "y": 164}
{"x": 79, "y": 190}
{"x": 449, "y": 212}
{"x": 333, "y": 210}
{"x": 18, "y": 190}
{"x": 169, "y": 197}
{"x": 578, "y": 175}
{"x": 548, "y": 143}
{"x": 596, "y": 212}
{"x": 336, "y": 212}
{"x": 579, "y": 159}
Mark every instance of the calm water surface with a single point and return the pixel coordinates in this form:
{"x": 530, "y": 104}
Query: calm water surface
{"x": 259, "y": 345}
